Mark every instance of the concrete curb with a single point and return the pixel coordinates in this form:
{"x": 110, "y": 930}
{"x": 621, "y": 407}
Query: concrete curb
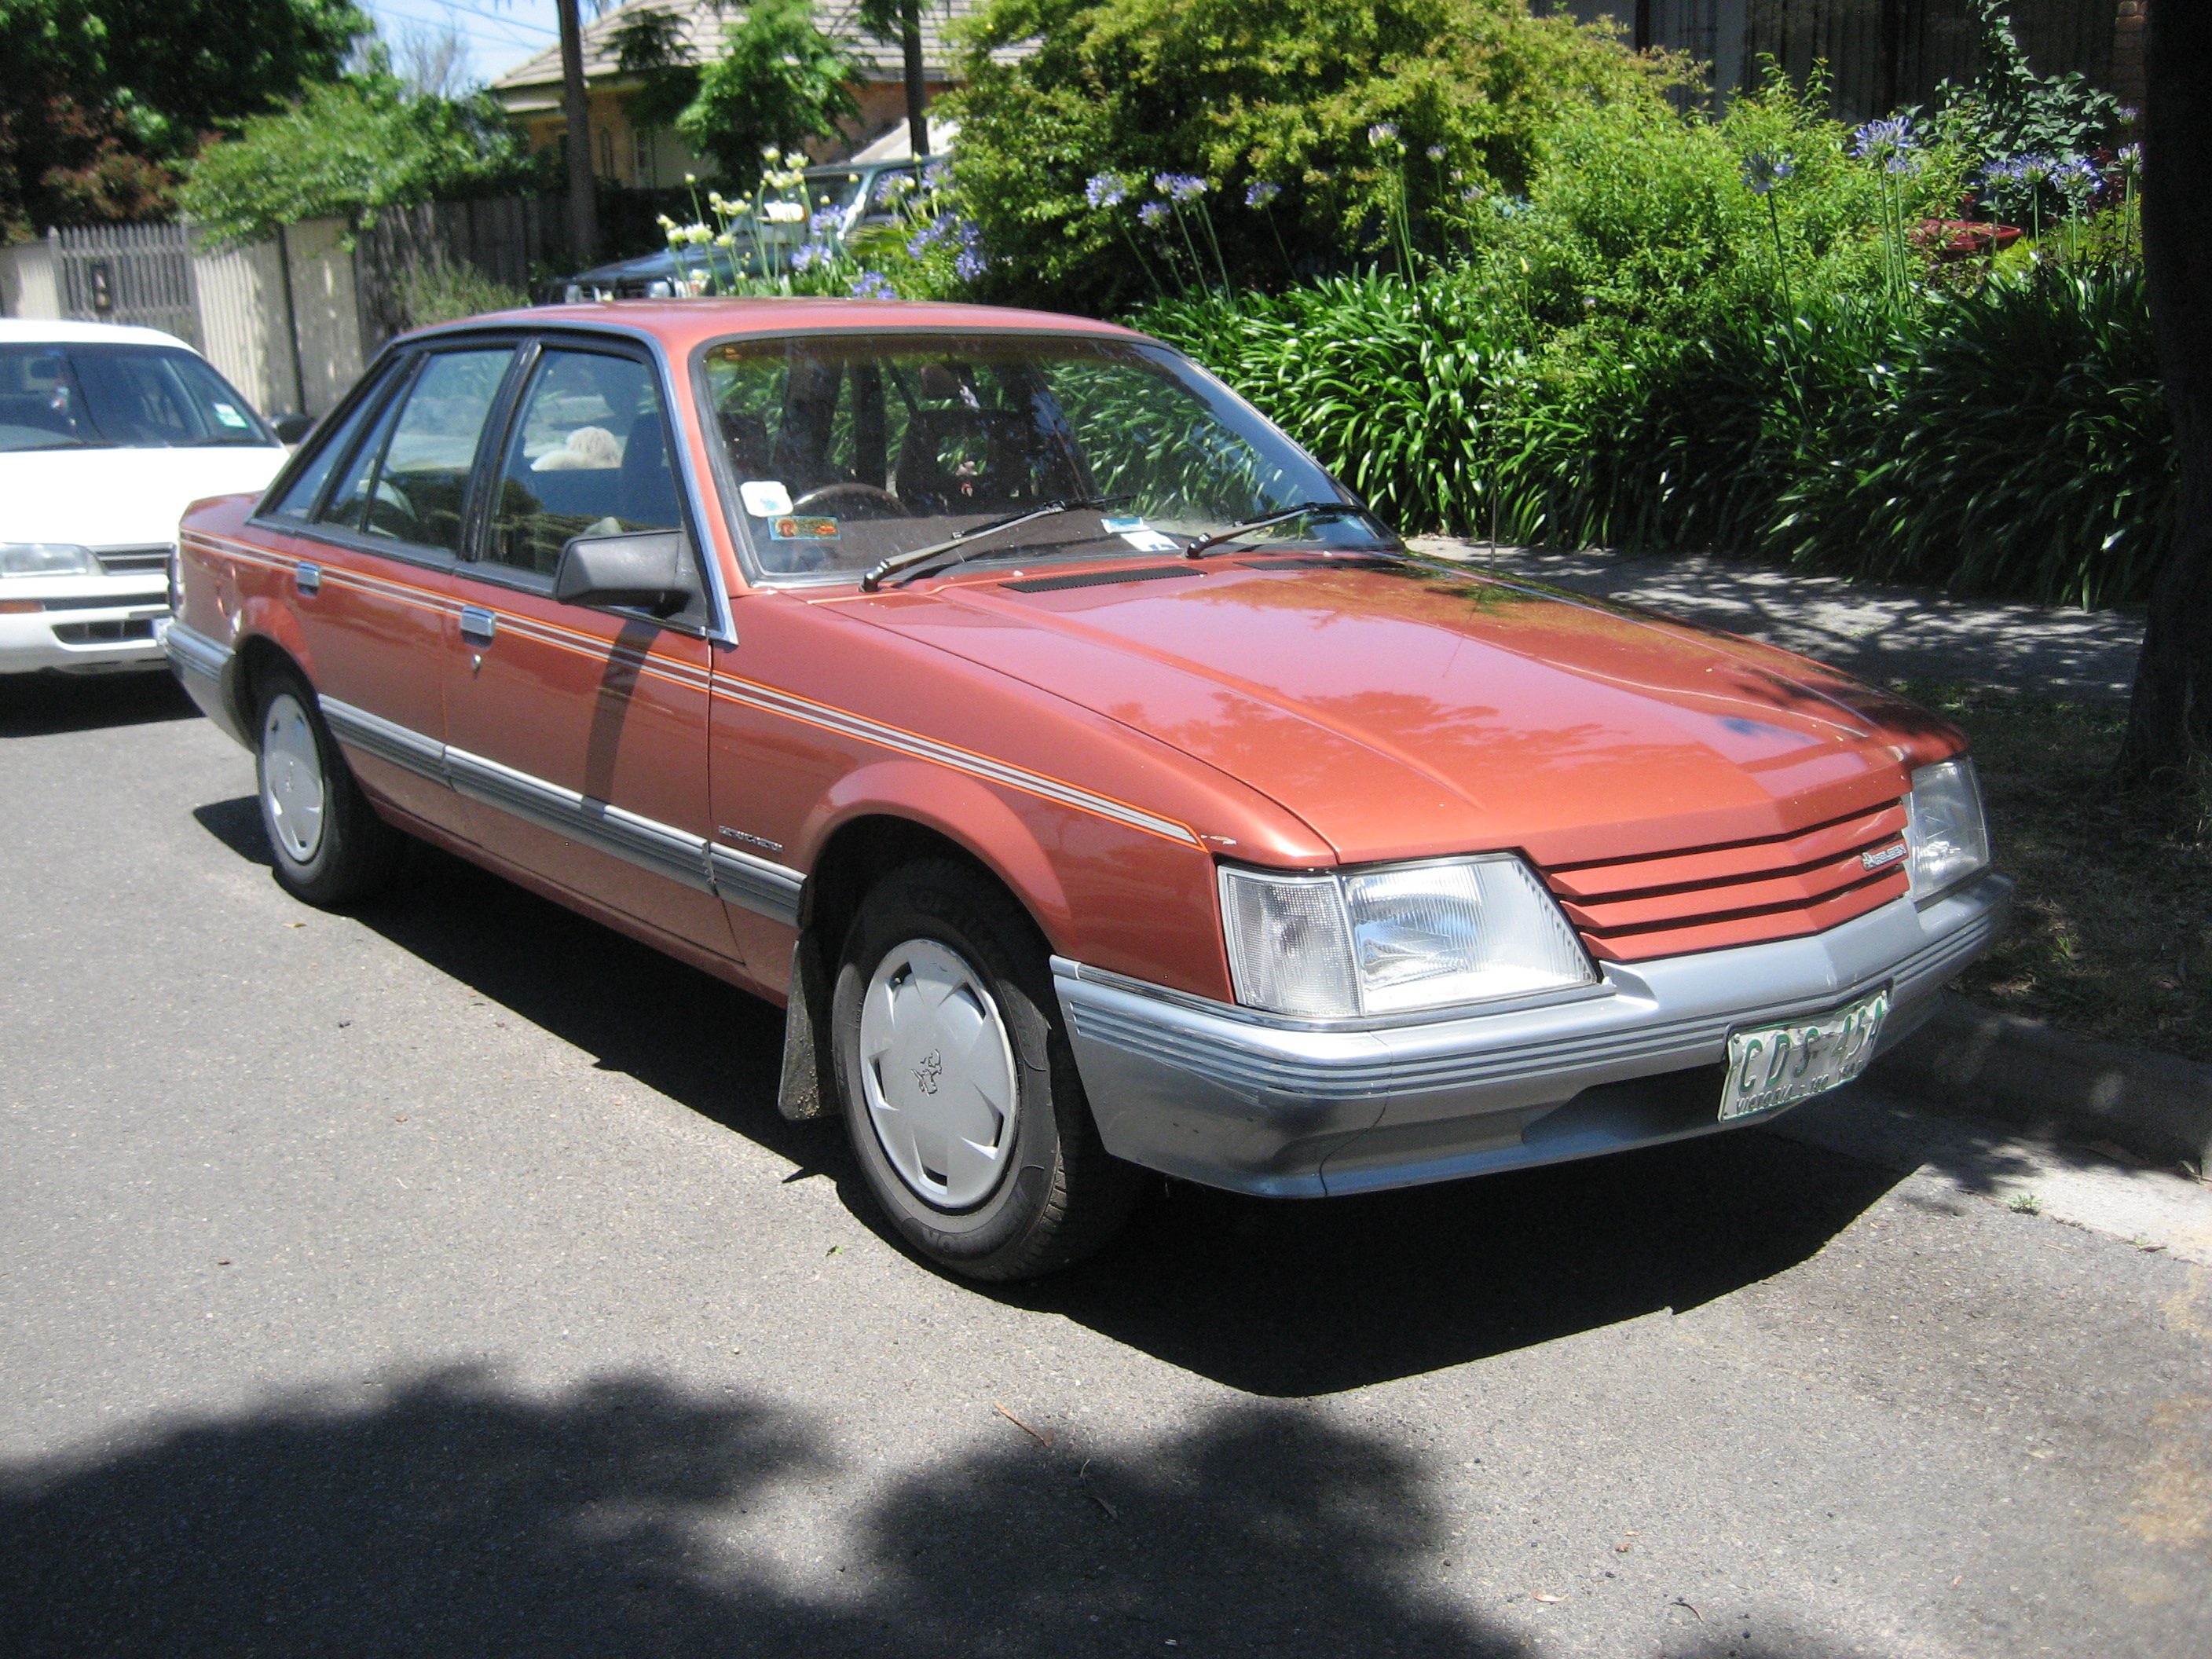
{"x": 1969, "y": 1060}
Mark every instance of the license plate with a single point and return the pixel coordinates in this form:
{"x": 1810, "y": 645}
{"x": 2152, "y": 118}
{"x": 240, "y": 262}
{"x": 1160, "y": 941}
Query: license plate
{"x": 1775, "y": 1065}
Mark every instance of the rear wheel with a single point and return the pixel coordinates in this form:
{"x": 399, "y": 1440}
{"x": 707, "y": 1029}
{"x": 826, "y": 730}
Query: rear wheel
{"x": 959, "y": 1088}
{"x": 330, "y": 847}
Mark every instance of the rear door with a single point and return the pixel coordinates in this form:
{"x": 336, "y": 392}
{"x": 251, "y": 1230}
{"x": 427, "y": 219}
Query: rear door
{"x": 580, "y": 734}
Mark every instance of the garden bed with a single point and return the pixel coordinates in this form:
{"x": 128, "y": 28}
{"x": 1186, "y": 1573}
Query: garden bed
{"x": 2112, "y": 934}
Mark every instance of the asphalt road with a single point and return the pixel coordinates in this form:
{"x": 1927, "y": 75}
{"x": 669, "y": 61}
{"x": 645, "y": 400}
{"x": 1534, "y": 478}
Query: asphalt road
{"x": 442, "y": 1281}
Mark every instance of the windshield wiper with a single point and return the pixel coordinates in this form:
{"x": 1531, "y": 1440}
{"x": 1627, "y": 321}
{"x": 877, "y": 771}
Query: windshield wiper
{"x": 909, "y": 559}
{"x": 1204, "y": 544}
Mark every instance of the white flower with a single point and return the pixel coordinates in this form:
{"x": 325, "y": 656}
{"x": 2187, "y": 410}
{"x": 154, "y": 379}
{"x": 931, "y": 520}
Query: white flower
{"x": 690, "y": 177}
{"x": 783, "y": 213}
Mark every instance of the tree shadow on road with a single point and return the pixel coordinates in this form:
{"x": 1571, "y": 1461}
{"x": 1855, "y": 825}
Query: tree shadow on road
{"x": 47, "y": 705}
{"x": 457, "y": 1517}
{"x": 1273, "y": 1297}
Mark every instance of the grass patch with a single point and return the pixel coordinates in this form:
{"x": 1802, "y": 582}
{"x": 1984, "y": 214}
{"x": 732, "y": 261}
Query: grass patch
{"x": 2111, "y": 935}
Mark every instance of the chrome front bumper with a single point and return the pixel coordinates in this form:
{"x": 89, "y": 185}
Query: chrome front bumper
{"x": 1230, "y": 1098}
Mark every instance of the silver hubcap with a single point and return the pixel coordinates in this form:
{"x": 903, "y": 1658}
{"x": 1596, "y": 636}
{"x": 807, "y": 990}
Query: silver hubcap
{"x": 292, "y": 776}
{"x": 938, "y": 1073}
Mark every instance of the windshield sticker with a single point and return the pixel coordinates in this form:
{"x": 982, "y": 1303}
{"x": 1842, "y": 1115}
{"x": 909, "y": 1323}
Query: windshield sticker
{"x": 765, "y": 498}
{"x": 229, "y": 415}
{"x": 1115, "y": 526}
{"x": 1151, "y": 541}
{"x": 800, "y": 529}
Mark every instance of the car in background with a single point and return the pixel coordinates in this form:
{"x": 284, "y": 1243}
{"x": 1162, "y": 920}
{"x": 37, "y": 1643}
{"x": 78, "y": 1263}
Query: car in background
{"x": 106, "y": 434}
{"x": 861, "y": 194}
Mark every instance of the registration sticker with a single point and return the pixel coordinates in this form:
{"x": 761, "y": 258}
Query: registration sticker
{"x": 794, "y": 528}
{"x": 1771, "y": 1067}
{"x": 230, "y": 416}
{"x": 1122, "y": 527}
{"x": 765, "y": 498}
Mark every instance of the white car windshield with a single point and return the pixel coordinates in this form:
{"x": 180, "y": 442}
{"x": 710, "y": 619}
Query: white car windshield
{"x": 95, "y": 395}
{"x": 847, "y": 450}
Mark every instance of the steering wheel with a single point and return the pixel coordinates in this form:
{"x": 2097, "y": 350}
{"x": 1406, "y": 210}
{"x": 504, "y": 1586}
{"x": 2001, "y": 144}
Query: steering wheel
{"x": 853, "y": 498}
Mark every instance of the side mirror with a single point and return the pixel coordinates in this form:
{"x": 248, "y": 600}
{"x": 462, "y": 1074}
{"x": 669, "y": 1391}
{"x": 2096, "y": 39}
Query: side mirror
{"x": 291, "y": 429}
{"x": 651, "y": 570}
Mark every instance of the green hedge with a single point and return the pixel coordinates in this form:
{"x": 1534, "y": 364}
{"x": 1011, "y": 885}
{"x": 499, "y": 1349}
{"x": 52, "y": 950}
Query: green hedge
{"x": 2009, "y": 440}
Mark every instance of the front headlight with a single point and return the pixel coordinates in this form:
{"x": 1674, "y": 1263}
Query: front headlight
{"x": 44, "y": 559}
{"x": 1392, "y": 940}
{"x": 1944, "y": 828}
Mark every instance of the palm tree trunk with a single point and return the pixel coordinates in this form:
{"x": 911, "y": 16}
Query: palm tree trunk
{"x": 917, "y": 124}
{"x": 575, "y": 106}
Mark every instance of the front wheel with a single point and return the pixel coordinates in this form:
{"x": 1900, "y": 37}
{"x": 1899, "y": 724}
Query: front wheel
{"x": 959, "y": 1089}
{"x": 329, "y": 846}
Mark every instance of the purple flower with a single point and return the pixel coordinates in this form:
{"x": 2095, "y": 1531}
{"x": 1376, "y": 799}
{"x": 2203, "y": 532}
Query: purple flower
{"x": 1180, "y": 186}
{"x": 1105, "y": 190}
{"x": 809, "y": 256}
{"x": 2130, "y": 156}
{"x": 1261, "y": 194}
{"x": 827, "y": 221}
{"x": 1153, "y": 212}
{"x": 929, "y": 235}
{"x": 1762, "y": 172}
{"x": 1880, "y": 140}
{"x": 1435, "y": 152}
{"x": 871, "y": 285}
{"x": 971, "y": 261}
{"x": 1383, "y": 134}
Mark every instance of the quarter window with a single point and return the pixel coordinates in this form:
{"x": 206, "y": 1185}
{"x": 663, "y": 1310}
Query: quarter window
{"x": 589, "y": 457}
{"x": 299, "y": 499}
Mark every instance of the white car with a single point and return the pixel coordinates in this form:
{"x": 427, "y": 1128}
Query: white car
{"x": 106, "y": 434}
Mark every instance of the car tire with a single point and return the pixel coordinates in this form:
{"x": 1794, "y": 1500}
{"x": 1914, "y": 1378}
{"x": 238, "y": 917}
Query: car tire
{"x": 959, "y": 1089}
{"x": 329, "y": 846}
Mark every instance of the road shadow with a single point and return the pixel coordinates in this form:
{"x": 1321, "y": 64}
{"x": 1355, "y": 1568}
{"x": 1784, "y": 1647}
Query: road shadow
{"x": 456, "y": 1517}
{"x": 1284, "y": 1298}
{"x": 47, "y": 705}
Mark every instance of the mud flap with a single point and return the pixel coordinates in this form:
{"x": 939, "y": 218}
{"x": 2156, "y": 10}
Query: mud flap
{"x": 807, "y": 1090}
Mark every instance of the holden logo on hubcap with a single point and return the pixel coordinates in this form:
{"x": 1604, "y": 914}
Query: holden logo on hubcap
{"x": 927, "y": 1073}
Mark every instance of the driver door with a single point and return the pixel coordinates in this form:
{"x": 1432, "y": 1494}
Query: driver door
{"x": 579, "y": 733}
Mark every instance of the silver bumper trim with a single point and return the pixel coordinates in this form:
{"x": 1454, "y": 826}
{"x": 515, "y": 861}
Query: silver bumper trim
{"x": 206, "y": 670}
{"x": 1234, "y": 1099}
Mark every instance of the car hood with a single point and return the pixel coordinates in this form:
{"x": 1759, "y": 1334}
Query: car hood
{"x": 120, "y": 497}
{"x": 1403, "y": 712}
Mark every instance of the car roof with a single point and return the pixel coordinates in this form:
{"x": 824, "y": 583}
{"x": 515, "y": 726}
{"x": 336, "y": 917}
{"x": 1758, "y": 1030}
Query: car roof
{"x": 53, "y": 330}
{"x": 681, "y": 325}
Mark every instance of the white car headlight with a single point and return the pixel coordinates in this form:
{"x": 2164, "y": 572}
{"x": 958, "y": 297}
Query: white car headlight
{"x": 44, "y": 559}
{"x": 1386, "y": 941}
{"x": 1944, "y": 827}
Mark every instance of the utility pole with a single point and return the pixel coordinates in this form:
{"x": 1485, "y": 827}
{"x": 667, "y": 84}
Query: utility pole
{"x": 575, "y": 105}
{"x": 917, "y": 124}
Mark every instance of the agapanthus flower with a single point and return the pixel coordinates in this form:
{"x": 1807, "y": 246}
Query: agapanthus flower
{"x": 1435, "y": 152}
{"x": 929, "y": 235}
{"x": 1105, "y": 190}
{"x": 1762, "y": 172}
{"x": 1883, "y": 141}
{"x": 827, "y": 220}
{"x": 1383, "y": 134}
{"x": 1261, "y": 194}
{"x": 871, "y": 285}
{"x": 1153, "y": 212}
{"x": 2078, "y": 179}
{"x": 971, "y": 261}
{"x": 1179, "y": 187}
{"x": 2130, "y": 156}
{"x": 809, "y": 255}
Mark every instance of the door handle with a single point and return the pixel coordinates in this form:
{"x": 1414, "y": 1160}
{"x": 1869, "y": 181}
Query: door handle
{"x": 478, "y": 624}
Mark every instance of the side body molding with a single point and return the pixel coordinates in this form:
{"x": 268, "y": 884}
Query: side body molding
{"x": 753, "y": 884}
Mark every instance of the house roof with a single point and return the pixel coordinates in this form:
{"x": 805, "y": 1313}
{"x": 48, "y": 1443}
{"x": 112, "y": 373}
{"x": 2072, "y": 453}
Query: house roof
{"x": 700, "y": 23}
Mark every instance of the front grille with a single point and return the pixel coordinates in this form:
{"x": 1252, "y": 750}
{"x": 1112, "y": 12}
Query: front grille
{"x": 1709, "y": 898}
{"x": 121, "y": 631}
{"x": 133, "y": 560}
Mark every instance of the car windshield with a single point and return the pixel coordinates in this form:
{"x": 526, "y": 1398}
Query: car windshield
{"x": 848, "y": 450}
{"x": 92, "y": 395}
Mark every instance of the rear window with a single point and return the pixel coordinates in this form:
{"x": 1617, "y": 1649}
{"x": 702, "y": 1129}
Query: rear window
{"x": 92, "y": 395}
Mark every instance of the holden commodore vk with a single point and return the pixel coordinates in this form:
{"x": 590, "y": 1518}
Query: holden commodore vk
{"x": 1099, "y": 786}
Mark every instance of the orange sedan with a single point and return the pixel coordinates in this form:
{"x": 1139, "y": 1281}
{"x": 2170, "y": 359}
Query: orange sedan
{"x": 1099, "y": 785}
